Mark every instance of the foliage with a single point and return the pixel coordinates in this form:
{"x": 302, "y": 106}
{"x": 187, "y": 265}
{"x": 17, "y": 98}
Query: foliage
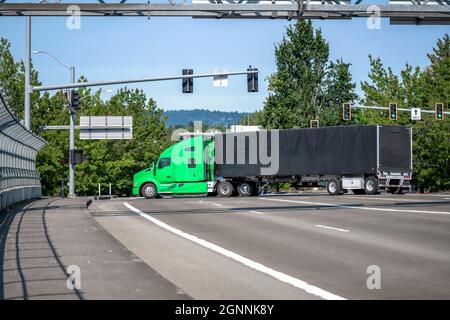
{"x": 306, "y": 84}
{"x": 111, "y": 161}
{"x": 417, "y": 88}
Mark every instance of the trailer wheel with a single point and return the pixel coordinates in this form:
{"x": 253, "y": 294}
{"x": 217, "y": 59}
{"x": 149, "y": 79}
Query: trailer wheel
{"x": 225, "y": 189}
{"x": 256, "y": 192}
{"x": 148, "y": 191}
{"x": 371, "y": 185}
{"x": 392, "y": 190}
{"x": 395, "y": 190}
{"x": 245, "y": 189}
{"x": 334, "y": 187}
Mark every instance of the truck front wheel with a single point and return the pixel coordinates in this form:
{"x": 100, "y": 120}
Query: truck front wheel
{"x": 225, "y": 189}
{"x": 245, "y": 189}
{"x": 371, "y": 185}
{"x": 334, "y": 187}
{"x": 149, "y": 191}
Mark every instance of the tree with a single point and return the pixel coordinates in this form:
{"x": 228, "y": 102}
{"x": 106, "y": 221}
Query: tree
{"x": 417, "y": 88}
{"x": 306, "y": 84}
{"x": 111, "y": 161}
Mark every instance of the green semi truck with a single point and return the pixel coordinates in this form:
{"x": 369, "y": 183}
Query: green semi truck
{"x": 365, "y": 159}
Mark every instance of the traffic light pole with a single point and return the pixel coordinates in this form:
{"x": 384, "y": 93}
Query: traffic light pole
{"x": 71, "y": 140}
{"x": 112, "y": 82}
{"x": 399, "y": 109}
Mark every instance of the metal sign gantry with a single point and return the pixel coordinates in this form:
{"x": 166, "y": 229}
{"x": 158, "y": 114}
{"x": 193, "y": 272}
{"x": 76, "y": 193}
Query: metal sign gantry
{"x": 398, "y": 11}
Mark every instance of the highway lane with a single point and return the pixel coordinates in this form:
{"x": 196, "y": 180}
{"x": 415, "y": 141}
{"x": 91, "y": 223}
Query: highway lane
{"x": 327, "y": 242}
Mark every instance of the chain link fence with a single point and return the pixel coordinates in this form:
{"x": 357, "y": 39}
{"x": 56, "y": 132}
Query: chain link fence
{"x": 19, "y": 179}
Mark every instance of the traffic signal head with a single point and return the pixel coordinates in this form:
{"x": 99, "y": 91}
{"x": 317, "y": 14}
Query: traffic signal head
{"x": 439, "y": 111}
{"x": 252, "y": 80}
{"x": 314, "y": 123}
{"x": 346, "y": 111}
{"x": 188, "y": 83}
{"x": 74, "y": 100}
{"x": 392, "y": 111}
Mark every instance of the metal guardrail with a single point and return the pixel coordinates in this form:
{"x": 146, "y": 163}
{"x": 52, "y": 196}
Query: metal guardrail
{"x": 19, "y": 179}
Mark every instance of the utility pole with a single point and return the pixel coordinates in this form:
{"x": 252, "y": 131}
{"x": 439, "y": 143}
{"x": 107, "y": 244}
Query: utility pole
{"x": 71, "y": 124}
{"x": 71, "y": 140}
{"x": 27, "y": 111}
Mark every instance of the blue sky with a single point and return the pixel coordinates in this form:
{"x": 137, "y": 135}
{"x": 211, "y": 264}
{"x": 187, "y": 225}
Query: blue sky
{"x": 120, "y": 48}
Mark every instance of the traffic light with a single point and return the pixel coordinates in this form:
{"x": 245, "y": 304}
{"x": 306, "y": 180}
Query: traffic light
{"x": 392, "y": 111}
{"x": 439, "y": 111}
{"x": 346, "y": 111}
{"x": 252, "y": 80}
{"x": 74, "y": 100}
{"x": 188, "y": 83}
{"x": 77, "y": 156}
{"x": 314, "y": 123}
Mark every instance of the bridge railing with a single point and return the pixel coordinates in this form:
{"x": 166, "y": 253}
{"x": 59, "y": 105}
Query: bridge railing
{"x": 19, "y": 179}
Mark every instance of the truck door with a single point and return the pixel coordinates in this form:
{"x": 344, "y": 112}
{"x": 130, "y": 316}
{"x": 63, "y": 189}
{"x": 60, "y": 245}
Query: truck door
{"x": 164, "y": 170}
{"x": 191, "y": 169}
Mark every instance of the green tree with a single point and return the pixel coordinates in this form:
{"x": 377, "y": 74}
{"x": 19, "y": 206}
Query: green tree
{"x": 416, "y": 88}
{"x": 306, "y": 84}
{"x": 112, "y": 161}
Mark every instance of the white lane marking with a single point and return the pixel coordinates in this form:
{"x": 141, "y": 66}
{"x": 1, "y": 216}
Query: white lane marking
{"x": 377, "y": 198}
{"x": 257, "y": 212}
{"x": 332, "y": 228}
{"x": 245, "y": 261}
{"x": 218, "y": 204}
{"x": 425, "y": 195}
{"x": 356, "y": 207}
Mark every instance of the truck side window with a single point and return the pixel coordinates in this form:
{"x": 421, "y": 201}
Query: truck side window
{"x": 163, "y": 162}
{"x": 191, "y": 163}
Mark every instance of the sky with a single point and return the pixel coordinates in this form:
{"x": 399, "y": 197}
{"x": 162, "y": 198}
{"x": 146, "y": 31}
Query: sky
{"x": 114, "y": 48}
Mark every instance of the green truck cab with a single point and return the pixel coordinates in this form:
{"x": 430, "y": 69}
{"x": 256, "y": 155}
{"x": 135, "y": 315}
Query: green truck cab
{"x": 184, "y": 168}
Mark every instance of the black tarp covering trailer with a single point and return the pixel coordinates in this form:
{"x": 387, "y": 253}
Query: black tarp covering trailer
{"x": 345, "y": 155}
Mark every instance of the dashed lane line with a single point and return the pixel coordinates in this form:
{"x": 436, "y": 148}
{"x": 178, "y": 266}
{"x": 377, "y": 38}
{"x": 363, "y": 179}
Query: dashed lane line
{"x": 300, "y": 284}
{"x": 331, "y": 228}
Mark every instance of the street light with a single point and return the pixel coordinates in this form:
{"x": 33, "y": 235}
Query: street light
{"x": 71, "y": 127}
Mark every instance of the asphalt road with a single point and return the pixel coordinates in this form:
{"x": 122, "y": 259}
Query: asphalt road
{"x": 302, "y": 246}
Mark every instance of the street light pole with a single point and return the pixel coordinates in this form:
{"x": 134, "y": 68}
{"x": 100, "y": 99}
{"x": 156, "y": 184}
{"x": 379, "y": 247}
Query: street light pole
{"x": 28, "y": 91}
{"x": 71, "y": 126}
{"x": 72, "y": 142}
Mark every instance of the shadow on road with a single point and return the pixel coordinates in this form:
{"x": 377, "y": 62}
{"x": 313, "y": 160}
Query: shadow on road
{"x": 30, "y": 266}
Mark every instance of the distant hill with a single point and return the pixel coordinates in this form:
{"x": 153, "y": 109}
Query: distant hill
{"x": 211, "y": 118}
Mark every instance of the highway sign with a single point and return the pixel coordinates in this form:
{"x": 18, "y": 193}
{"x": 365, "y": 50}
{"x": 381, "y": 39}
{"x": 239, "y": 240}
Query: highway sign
{"x": 415, "y": 114}
{"x": 220, "y": 80}
{"x": 106, "y": 127}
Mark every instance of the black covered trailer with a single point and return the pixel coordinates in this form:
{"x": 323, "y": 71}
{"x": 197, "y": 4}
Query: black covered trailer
{"x": 347, "y": 157}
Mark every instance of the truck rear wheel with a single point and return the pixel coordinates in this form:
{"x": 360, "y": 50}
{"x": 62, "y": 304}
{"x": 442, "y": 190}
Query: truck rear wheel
{"x": 371, "y": 185}
{"x": 334, "y": 187}
{"x": 245, "y": 189}
{"x": 225, "y": 189}
{"x": 149, "y": 191}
